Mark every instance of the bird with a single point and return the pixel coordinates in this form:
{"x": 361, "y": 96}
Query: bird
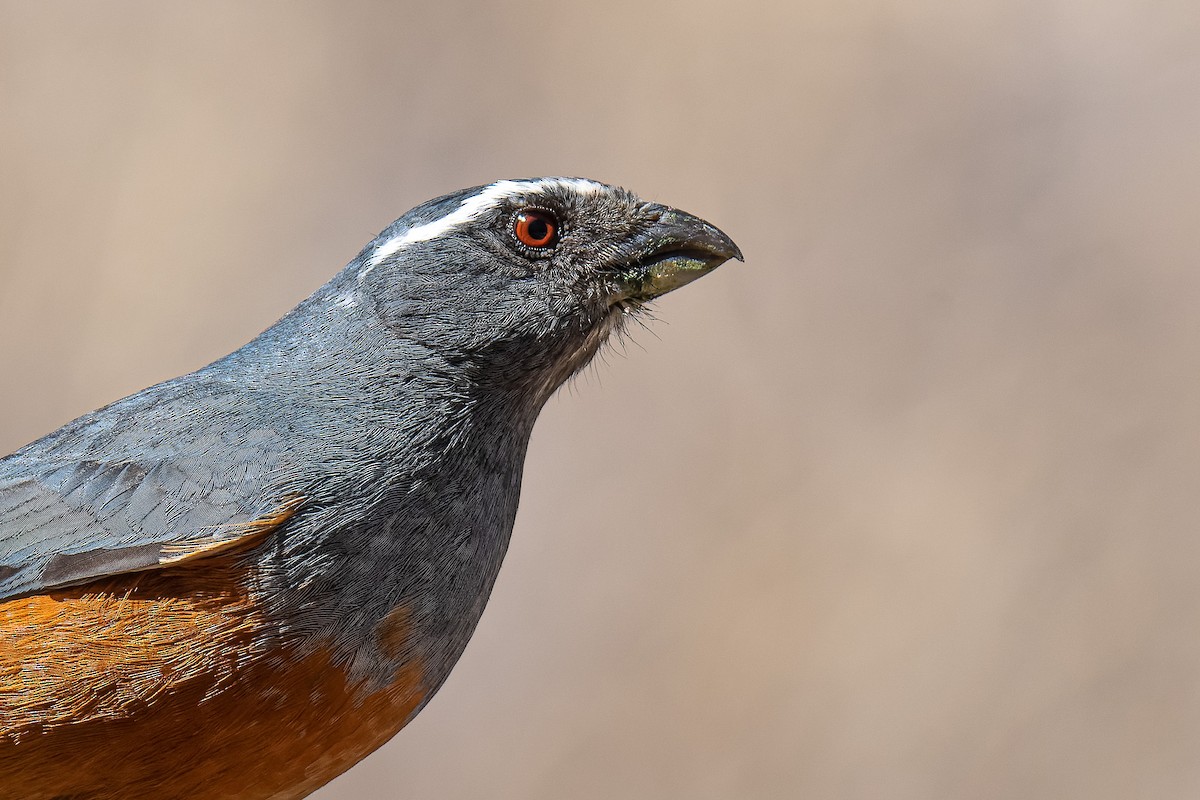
{"x": 240, "y": 582}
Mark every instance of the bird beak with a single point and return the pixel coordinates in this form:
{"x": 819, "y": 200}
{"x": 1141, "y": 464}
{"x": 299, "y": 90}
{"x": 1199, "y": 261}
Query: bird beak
{"x": 675, "y": 250}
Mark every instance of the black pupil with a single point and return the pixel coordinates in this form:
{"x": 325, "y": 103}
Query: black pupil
{"x": 538, "y": 228}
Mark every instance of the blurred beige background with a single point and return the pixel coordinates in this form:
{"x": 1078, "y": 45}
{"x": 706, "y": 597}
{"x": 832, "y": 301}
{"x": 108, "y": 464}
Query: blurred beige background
{"x": 904, "y": 507}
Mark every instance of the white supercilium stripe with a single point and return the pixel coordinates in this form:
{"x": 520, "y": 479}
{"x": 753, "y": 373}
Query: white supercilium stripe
{"x": 470, "y": 208}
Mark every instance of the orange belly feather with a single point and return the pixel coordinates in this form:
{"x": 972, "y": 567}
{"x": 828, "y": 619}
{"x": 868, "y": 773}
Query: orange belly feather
{"x": 155, "y": 686}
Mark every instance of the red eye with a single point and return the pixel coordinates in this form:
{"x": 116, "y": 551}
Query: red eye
{"x": 535, "y": 228}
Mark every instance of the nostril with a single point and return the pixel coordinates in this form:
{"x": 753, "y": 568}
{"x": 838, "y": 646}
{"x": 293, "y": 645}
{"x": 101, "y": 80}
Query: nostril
{"x": 652, "y": 212}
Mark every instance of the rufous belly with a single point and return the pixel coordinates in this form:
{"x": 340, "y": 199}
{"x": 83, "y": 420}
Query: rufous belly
{"x": 161, "y": 685}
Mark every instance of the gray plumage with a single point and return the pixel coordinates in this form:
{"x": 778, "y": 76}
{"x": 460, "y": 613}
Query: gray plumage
{"x": 396, "y": 401}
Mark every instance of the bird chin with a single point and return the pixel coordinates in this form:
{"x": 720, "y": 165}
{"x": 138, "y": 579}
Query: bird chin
{"x": 578, "y": 356}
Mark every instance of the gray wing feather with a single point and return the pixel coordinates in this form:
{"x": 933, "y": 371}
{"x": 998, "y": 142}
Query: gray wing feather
{"x": 167, "y": 475}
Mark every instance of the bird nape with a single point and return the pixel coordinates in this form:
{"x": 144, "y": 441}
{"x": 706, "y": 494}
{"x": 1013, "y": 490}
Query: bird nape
{"x": 240, "y": 582}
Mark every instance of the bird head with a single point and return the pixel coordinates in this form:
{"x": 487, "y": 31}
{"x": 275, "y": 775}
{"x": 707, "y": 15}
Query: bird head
{"x": 521, "y": 281}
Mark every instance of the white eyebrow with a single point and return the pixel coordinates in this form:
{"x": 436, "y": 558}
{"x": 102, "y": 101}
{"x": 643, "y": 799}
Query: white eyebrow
{"x": 470, "y": 208}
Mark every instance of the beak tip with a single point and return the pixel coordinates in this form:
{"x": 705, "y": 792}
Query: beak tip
{"x": 720, "y": 243}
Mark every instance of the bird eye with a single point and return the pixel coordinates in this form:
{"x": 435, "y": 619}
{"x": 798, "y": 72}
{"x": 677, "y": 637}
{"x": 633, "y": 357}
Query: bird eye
{"x": 534, "y": 228}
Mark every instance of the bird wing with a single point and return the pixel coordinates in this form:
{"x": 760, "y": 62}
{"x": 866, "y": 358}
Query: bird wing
{"x": 142, "y": 484}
